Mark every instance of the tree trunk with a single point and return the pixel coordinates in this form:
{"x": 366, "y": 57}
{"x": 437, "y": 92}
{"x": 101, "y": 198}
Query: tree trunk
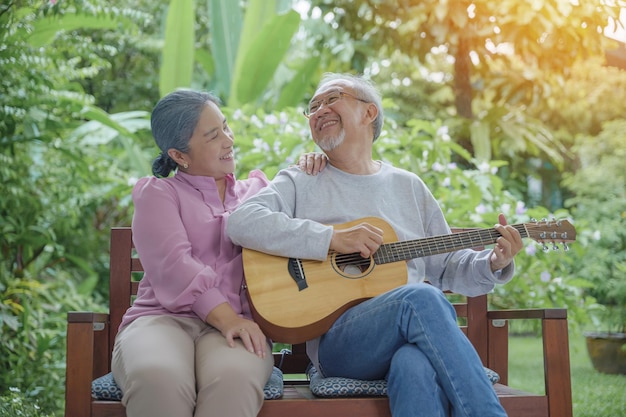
{"x": 462, "y": 84}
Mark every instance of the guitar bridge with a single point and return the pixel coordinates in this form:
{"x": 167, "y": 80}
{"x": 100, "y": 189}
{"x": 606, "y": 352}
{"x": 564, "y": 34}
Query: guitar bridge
{"x": 294, "y": 266}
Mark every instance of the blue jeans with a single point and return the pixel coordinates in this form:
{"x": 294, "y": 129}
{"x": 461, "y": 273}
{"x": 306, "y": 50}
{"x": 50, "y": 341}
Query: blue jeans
{"x": 410, "y": 337}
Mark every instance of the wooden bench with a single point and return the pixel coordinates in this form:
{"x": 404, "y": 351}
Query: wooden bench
{"x": 90, "y": 339}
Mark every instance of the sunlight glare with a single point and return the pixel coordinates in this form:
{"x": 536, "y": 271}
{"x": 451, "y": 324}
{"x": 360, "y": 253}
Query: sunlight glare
{"x": 471, "y": 11}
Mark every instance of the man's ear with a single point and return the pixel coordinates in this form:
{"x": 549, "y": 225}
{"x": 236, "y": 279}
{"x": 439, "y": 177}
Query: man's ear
{"x": 371, "y": 113}
{"x": 177, "y": 156}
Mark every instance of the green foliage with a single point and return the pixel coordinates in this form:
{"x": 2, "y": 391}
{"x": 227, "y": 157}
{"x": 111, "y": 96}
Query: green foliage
{"x": 178, "y": 49}
{"x": 15, "y": 404}
{"x": 248, "y": 48}
{"x": 61, "y": 191}
{"x": 32, "y": 329}
{"x": 599, "y": 205}
{"x": 590, "y": 96}
{"x": 521, "y": 50}
{"x": 268, "y": 141}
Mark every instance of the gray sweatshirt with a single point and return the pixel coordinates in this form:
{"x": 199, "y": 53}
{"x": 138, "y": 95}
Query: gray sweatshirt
{"x": 293, "y": 217}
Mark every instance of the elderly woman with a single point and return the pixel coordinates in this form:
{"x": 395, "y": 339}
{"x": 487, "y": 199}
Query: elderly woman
{"x": 188, "y": 345}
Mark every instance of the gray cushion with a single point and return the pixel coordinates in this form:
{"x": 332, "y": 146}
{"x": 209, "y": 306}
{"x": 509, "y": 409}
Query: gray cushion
{"x": 346, "y": 387}
{"x": 105, "y": 388}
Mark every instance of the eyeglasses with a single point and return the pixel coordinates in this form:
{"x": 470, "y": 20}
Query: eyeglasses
{"x": 328, "y": 101}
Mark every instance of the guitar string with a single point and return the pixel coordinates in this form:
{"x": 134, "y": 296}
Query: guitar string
{"x": 447, "y": 243}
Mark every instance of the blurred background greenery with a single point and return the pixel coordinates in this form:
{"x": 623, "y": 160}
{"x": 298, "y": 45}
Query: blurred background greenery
{"x": 499, "y": 105}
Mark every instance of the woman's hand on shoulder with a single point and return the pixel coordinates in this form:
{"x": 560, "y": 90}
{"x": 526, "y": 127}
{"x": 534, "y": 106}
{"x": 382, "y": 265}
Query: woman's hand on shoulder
{"x": 313, "y": 162}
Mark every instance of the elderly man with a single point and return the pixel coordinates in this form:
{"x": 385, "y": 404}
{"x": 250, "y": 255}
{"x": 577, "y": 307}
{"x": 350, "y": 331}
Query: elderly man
{"x": 407, "y": 335}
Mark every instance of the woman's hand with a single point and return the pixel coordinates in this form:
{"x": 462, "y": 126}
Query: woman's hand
{"x": 250, "y": 334}
{"x": 313, "y": 162}
{"x": 224, "y": 318}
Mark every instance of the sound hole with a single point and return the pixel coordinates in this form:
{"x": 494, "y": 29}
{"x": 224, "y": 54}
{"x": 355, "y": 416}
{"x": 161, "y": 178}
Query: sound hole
{"x": 351, "y": 265}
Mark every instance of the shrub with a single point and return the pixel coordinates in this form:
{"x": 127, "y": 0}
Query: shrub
{"x": 600, "y": 207}
{"x": 15, "y": 404}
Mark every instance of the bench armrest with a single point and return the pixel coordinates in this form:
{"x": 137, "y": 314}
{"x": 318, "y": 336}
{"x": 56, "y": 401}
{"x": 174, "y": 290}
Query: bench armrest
{"x": 88, "y": 351}
{"x": 555, "y": 341}
{"x": 533, "y": 313}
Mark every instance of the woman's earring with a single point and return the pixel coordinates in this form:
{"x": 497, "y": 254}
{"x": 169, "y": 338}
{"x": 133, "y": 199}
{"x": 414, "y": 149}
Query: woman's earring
{"x": 185, "y": 165}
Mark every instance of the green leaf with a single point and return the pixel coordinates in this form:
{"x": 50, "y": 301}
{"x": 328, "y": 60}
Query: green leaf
{"x": 178, "y": 51}
{"x": 204, "y": 58}
{"x": 46, "y": 29}
{"x": 99, "y": 115}
{"x": 292, "y": 93}
{"x": 264, "y": 55}
{"x": 258, "y": 13}
{"x": 126, "y": 137}
{"x": 225, "y": 25}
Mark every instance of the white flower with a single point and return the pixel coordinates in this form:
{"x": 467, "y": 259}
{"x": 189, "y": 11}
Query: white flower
{"x": 437, "y": 167}
{"x": 261, "y": 145}
{"x": 271, "y": 119}
{"x": 545, "y": 276}
{"x": 443, "y": 133}
{"x": 255, "y": 121}
{"x": 484, "y": 167}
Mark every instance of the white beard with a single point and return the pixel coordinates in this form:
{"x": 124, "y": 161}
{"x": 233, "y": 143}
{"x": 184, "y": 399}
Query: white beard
{"x": 330, "y": 143}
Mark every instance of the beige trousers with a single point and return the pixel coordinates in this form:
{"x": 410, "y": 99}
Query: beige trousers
{"x": 181, "y": 367}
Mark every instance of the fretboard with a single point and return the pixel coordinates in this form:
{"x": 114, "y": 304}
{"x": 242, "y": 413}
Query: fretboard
{"x": 410, "y": 249}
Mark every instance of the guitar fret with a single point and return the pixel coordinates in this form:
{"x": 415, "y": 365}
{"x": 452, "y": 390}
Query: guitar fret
{"x": 400, "y": 251}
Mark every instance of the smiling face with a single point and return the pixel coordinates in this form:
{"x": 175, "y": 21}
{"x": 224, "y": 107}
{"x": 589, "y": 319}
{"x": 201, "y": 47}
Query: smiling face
{"x": 331, "y": 122}
{"x": 210, "y": 147}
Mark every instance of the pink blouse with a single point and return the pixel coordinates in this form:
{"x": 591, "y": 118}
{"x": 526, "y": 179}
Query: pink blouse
{"x": 190, "y": 264}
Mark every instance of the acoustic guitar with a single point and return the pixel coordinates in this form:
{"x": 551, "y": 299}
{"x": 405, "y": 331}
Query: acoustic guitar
{"x": 294, "y": 300}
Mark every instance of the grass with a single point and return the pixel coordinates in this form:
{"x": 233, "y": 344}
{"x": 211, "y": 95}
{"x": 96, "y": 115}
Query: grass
{"x": 593, "y": 394}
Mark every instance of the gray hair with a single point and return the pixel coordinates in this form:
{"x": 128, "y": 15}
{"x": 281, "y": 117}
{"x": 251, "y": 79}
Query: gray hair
{"x": 173, "y": 121}
{"x": 364, "y": 89}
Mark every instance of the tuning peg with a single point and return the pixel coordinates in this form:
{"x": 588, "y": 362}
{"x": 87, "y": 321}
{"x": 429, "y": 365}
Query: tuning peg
{"x": 555, "y": 246}
{"x": 545, "y": 247}
{"x": 565, "y": 247}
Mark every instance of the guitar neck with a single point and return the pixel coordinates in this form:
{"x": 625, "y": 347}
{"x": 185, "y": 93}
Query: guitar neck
{"x": 411, "y": 249}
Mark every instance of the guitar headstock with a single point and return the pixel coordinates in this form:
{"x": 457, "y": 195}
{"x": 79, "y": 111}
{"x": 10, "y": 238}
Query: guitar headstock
{"x": 551, "y": 231}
